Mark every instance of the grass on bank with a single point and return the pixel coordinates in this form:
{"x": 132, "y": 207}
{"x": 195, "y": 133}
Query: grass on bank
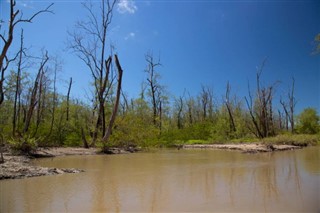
{"x": 298, "y": 139}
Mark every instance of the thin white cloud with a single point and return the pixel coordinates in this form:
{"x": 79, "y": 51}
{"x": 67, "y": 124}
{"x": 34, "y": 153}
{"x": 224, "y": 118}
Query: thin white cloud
{"x": 130, "y": 36}
{"x": 127, "y": 6}
{"x": 26, "y": 4}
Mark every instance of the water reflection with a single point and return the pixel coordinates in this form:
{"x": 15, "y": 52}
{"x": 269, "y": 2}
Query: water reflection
{"x": 188, "y": 180}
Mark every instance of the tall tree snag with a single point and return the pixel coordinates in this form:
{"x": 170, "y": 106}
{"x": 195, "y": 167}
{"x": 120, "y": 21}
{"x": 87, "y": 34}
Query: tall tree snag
{"x": 68, "y": 98}
{"x": 33, "y": 98}
{"x": 179, "y": 106}
{"x": 289, "y": 108}
{"x": 229, "y": 108}
{"x": 292, "y": 104}
{"x": 116, "y": 104}
{"x": 16, "y": 106}
{"x": 154, "y": 86}
{"x": 261, "y": 112}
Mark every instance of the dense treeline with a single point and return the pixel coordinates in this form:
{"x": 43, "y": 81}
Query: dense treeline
{"x": 47, "y": 118}
{"x": 33, "y": 113}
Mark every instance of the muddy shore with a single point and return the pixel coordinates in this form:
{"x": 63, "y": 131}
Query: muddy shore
{"x": 19, "y": 166}
{"x": 245, "y": 148}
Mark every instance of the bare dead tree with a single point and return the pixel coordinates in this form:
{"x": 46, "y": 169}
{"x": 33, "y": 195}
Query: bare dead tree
{"x": 289, "y": 107}
{"x": 179, "y": 105}
{"x": 54, "y": 95}
{"x": 229, "y": 108}
{"x": 14, "y": 20}
{"x": 190, "y": 106}
{"x": 89, "y": 43}
{"x": 204, "y": 95}
{"x": 206, "y": 101}
{"x": 280, "y": 124}
{"x": 40, "y": 101}
{"x": 33, "y": 97}
{"x": 253, "y": 117}
{"x": 261, "y": 112}
{"x": 159, "y": 109}
{"x": 154, "y": 86}
{"x": 68, "y": 98}
{"x": 292, "y": 104}
{"x": 286, "y": 112}
{"x": 124, "y": 104}
{"x": 16, "y": 107}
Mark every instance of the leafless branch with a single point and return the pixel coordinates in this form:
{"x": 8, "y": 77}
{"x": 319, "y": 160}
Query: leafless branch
{"x": 21, "y": 19}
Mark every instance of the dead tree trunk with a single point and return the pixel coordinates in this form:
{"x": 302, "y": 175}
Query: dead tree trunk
{"x": 116, "y": 104}
{"x": 229, "y": 108}
{"x": 280, "y": 120}
{"x": 153, "y": 84}
{"x": 39, "y": 103}
{"x": 17, "y": 90}
{"x": 33, "y": 98}
{"x": 286, "y": 112}
{"x": 68, "y": 98}
{"x": 179, "y": 114}
{"x": 54, "y": 98}
{"x": 190, "y": 105}
{"x": 292, "y": 104}
{"x": 261, "y": 113}
{"x": 103, "y": 92}
{"x": 160, "y": 116}
{"x": 254, "y": 121}
{"x": 84, "y": 140}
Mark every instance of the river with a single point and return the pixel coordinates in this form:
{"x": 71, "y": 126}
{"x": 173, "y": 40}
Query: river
{"x": 172, "y": 180}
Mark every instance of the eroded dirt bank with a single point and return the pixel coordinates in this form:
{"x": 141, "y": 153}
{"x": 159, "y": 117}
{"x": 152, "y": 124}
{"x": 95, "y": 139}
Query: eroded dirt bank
{"x": 16, "y": 167}
{"x": 19, "y": 166}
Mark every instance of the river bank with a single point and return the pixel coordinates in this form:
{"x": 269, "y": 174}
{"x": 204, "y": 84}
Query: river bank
{"x": 19, "y": 166}
{"x": 245, "y": 148}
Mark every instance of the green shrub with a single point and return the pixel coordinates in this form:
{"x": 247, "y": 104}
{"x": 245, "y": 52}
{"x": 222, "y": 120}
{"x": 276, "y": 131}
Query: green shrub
{"x": 299, "y": 139}
{"x": 24, "y": 144}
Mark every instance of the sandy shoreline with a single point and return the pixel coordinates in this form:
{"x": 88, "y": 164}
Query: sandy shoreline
{"x": 245, "y": 148}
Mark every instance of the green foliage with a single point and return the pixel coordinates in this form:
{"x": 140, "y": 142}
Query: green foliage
{"x": 294, "y": 139}
{"x": 134, "y": 128}
{"x": 308, "y": 122}
{"x": 197, "y": 142}
{"x": 183, "y": 123}
{"x": 26, "y": 144}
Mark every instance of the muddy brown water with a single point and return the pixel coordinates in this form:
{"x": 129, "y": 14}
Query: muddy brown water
{"x": 172, "y": 181}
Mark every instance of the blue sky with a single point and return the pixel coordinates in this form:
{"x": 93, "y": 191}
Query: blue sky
{"x": 199, "y": 43}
